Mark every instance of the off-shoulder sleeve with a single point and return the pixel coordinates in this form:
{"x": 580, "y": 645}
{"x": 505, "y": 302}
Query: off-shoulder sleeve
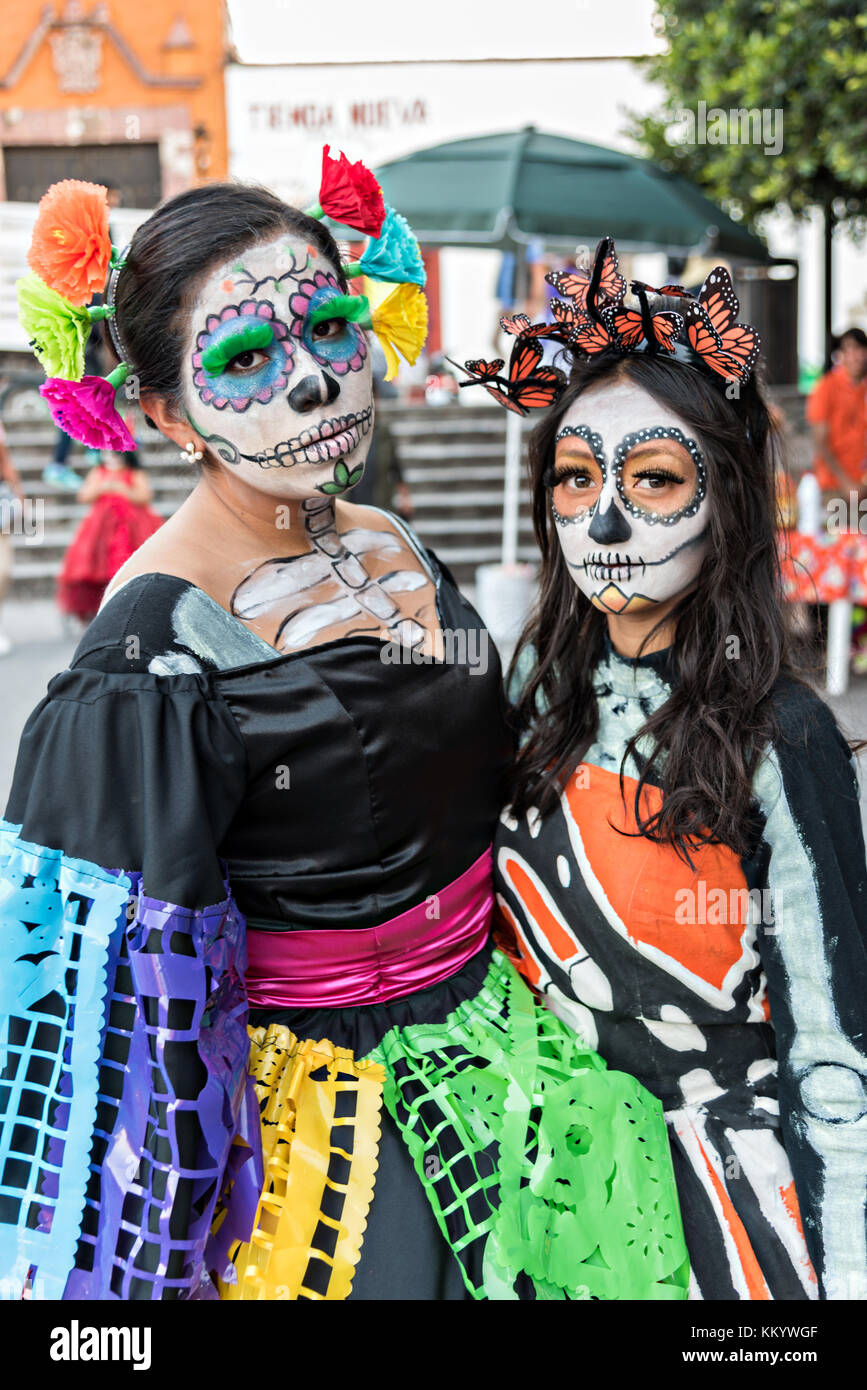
{"x": 138, "y": 772}
{"x": 815, "y": 958}
{"x": 122, "y": 1006}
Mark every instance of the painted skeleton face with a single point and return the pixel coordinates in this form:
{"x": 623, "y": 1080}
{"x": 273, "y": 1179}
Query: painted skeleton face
{"x": 276, "y": 379}
{"x": 629, "y": 497}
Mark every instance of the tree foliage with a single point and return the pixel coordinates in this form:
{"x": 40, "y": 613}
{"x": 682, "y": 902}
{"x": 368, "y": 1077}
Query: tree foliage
{"x": 804, "y": 58}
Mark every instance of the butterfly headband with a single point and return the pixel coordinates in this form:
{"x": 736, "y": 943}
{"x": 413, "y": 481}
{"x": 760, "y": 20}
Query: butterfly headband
{"x": 591, "y": 319}
{"x": 71, "y": 254}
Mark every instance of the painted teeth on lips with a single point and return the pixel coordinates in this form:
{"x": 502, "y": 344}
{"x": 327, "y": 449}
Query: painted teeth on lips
{"x": 612, "y": 568}
{"x": 326, "y": 441}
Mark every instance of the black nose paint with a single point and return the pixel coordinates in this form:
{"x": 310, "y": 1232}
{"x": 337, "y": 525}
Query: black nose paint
{"x": 609, "y": 526}
{"x": 312, "y": 392}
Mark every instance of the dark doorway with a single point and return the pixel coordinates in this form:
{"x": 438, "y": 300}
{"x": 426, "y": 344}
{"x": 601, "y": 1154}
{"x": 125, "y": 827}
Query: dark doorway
{"x": 133, "y": 168}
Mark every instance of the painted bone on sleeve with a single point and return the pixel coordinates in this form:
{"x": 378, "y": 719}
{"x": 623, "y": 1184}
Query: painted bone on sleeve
{"x": 815, "y": 959}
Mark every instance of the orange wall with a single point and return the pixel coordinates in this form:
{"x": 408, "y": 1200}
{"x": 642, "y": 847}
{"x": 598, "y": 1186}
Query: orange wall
{"x": 121, "y": 93}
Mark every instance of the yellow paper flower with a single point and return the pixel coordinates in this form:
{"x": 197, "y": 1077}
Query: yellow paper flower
{"x": 400, "y": 324}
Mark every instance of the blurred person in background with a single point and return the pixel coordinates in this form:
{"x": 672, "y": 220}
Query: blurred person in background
{"x": 119, "y": 520}
{"x": 10, "y": 495}
{"x": 837, "y": 413}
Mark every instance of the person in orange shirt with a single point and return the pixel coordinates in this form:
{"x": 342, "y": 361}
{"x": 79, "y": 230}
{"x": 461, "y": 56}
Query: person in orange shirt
{"x": 837, "y": 412}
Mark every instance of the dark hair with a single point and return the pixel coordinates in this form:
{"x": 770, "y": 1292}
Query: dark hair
{"x": 707, "y": 738}
{"x": 853, "y": 335}
{"x": 172, "y": 252}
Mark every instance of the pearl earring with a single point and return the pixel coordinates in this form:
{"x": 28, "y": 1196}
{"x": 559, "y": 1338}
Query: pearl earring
{"x": 189, "y": 453}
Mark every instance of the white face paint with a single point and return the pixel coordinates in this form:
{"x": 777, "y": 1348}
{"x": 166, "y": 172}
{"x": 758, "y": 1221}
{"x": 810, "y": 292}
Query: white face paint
{"x": 629, "y": 496}
{"x": 280, "y": 391}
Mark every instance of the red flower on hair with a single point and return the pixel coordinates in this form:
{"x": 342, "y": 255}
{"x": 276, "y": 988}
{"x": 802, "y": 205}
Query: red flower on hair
{"x": 349, "y": 193}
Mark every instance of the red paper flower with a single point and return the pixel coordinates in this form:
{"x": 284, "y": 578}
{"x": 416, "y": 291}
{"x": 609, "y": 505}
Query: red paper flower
{"x": 85, "y": 409}
{"x": 349, "y": 193}
{"x": 71, "y": 245}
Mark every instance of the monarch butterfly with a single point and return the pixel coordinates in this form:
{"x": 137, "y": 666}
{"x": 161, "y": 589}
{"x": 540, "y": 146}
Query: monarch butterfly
{"x": 727, "y": 347}
{"x": 520, "y": 326}
{"x": 611, "y": 285}
{"x": 677, "y": 291}
{"x": 629, "y": 323}
{"x": 527, "y": 387}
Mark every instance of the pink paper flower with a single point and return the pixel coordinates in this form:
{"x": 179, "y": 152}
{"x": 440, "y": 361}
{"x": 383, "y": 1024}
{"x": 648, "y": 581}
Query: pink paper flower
{"x": 85, "y": 410}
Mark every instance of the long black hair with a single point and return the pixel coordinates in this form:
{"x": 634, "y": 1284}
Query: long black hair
{"x": 708, "y": 737}
{"x": 171, "y": 254}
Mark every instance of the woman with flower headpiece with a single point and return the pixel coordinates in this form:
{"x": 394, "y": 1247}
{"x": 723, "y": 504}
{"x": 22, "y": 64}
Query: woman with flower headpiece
{"x": 259, "y": 1043}
{"x": 681, "y": 868}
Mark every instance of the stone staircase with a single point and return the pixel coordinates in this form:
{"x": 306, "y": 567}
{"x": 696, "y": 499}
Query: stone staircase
{"x": 451, "y": 456}
{"x": 30, "y": 436}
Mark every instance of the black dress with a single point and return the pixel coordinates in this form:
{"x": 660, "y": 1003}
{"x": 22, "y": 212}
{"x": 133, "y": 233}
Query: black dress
{"x": 182, "y": 788}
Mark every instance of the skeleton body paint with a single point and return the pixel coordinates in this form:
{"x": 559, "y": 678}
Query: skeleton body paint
{"x": 330, "y": 590}
{"x": 629, "y": 497}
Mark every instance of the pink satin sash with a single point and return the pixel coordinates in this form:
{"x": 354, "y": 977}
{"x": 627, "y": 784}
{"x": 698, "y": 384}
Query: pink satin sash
{"x": 320, "y": 968}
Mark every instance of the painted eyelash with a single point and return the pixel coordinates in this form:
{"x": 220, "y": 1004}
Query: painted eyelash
{"x": 253, "y": 336}
{"x": 660, "y": 473}
{"x": 551, "y": 477}
{"x": 351, "y": 307}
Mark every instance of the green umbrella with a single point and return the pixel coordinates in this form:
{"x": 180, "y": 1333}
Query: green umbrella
{"x": 508, "y": 189}
{"x": 503, "y": 191}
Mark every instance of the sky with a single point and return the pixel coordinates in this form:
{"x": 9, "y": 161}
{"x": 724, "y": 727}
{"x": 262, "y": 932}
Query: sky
{"x": 280, "y": 31}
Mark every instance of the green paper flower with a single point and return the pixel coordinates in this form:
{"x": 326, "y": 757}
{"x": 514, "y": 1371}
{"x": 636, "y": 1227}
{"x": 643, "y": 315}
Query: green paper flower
{"x": 57, "y": 330}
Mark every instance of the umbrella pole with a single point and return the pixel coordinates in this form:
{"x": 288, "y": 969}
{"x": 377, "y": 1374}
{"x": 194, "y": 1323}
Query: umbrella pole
{"x": 511, "y": 488}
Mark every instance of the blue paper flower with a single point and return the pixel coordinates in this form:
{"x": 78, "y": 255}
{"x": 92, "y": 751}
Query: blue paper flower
{"x": 394, "y": 255}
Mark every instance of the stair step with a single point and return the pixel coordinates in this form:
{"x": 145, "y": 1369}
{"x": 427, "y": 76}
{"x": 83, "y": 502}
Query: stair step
{"x": 465, "y": 526}
{"x": 438, "y": 451}
{"x": 463, "y": 497}
{"x": 481, "y": 473}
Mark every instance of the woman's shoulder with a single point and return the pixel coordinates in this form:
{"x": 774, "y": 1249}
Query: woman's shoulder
{"x": 808, "y": 759}
{"x": 802, "y": 718}
{"x": 133, "y": 625}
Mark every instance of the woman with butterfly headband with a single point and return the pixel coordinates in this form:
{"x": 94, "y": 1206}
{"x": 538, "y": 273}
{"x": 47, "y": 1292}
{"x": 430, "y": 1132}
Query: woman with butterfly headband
{"x": 258, "y": 1043}
{"x": 680, "y": 868}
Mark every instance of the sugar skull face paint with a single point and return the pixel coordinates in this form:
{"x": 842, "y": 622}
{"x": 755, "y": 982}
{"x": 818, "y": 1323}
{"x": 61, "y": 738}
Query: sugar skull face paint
{"x": 317, "y": 300}
{"x": 277, "y": 375}
{"x": 629, "y": 497}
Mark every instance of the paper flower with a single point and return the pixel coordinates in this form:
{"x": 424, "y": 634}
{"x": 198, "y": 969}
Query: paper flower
{"x": 85, "y": 410}
{"x": 56, "y": 329}
{"x": 394, "y": 255}
{"x": 71, "y": 245}
{"x": 349, "y": 193}
{"x": 400, "y": 324}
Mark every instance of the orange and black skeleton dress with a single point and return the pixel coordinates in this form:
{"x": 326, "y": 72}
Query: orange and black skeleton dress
{"x": 736, "y": 990}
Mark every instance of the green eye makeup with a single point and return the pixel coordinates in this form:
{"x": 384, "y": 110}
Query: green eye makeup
{"x": 352, "y": 307}
{"x": 253, "y": 336}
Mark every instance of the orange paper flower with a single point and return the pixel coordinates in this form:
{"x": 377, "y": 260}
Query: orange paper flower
{"x": 71, "y": 246}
